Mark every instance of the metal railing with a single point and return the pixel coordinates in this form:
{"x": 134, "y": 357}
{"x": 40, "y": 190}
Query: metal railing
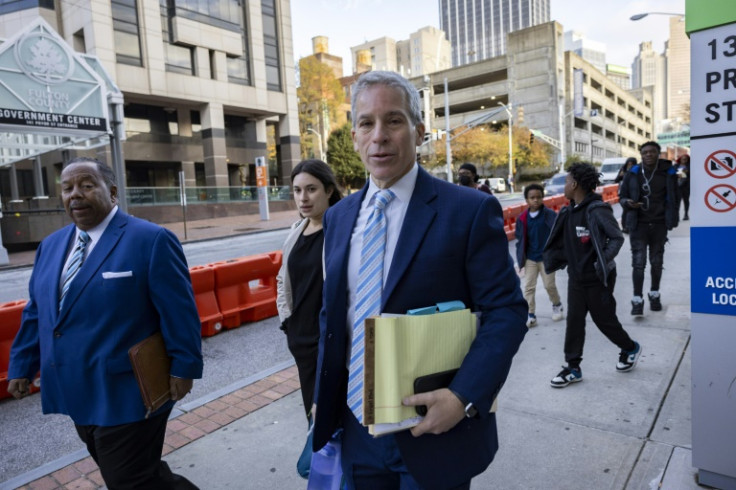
{"x": 166, "y": 196}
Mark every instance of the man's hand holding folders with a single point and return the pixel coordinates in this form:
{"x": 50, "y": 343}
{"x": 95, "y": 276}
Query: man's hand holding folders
{"x": 444, "y": 411}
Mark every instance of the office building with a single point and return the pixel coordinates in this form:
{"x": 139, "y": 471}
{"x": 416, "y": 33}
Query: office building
{"x": 678, "y": 71}
{"x": 477, "y": 29}
{"x": 591, "y": 51}
{"x": 208, "y": 87}
{"x": 620, "y": 75}
{"x": 612, "y": 121}
{"x": 427, "y": 50}
{"x": 649, "y": 70}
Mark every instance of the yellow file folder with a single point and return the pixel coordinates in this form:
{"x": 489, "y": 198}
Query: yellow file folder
{"x": 401, "y": 348}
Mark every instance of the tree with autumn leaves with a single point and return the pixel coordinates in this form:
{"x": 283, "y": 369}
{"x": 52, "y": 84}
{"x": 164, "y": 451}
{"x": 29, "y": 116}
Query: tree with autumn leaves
{"x": 320, "y": 95}
{"x": 488, "y": 148}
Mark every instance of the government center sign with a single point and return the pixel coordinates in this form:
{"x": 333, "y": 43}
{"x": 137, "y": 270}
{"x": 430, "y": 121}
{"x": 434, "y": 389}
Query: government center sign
{"x": 45, "y": 85}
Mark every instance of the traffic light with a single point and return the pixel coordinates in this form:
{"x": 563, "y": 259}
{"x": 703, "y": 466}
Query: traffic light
{"x": 531, "y": 139}
{"x": 520, "y": 116}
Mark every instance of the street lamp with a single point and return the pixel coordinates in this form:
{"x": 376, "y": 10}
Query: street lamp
{"x": 641, "y": 16}
{"x": 319, "y": 139}
{"x": 511, "y": 147}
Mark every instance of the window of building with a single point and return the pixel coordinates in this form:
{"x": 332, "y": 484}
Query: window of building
{"x": 8, "y": 6}
{"x": 271, "y": 45}
{"x": 218, "y": 13}
{"x": 178, "y": 59}
{"x": 125, "y": 29}
{"x": 238, "y": 70}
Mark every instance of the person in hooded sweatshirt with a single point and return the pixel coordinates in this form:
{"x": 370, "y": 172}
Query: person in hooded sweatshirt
{"x": 586, "y": 238}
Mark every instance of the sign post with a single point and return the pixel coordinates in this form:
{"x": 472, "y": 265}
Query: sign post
{"x": 712, "y": 235}
{"x": 262, "y": 183}
{"x": 183, "y": 200}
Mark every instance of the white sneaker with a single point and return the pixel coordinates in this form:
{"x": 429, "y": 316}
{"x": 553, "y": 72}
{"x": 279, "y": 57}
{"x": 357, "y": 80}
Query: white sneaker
{"x": 557, "y": 312}
{"x": 531, "y": 321}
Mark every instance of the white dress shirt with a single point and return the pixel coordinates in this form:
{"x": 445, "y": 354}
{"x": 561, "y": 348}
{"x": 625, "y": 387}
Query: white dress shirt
{"x": 94, "y": 236}
{"x": 395, "y": 212}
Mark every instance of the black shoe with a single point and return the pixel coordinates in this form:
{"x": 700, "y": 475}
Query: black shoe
{"x": 566, "y": 376}
{"x": 628, "y": 359}
{"x": 625, "y": 230}
{"x": 685, "y": 218}
{"x": 655, "y": 303}
{"x": 637, "y": 309}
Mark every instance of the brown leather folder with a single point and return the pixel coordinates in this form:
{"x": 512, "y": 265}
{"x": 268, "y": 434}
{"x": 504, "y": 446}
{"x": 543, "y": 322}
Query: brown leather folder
{"x": 151, "y": 366}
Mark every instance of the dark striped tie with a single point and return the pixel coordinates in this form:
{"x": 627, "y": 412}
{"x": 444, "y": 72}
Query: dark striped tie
{"x": 74, "y": 264}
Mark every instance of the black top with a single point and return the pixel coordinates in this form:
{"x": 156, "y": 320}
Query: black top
{"x": 579, "y": 247}
{"x": 653, "y": 200}
{"x": 305, "y": 273}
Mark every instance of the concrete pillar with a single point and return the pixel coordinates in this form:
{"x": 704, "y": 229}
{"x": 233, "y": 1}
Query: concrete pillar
{"x": 213, "y": 144}
{"x": 14, "y": 194}
{"x": 190, "y": 176}
{"x": 38, "y": 180}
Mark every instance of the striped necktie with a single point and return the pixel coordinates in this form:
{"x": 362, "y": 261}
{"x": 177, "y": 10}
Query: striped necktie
{"x": 74, "y": 264}
{"x": 367, "y": 294}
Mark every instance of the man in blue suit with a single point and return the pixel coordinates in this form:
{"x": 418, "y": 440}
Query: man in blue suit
{"x": 98, "y": 287}
{"x": 443, "y": 243}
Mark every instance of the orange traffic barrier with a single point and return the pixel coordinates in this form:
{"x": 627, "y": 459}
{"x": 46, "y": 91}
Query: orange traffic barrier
{"x": 246, "y": 288}
{"x": 10, "y": 316}
{"x": 203, "y": 283}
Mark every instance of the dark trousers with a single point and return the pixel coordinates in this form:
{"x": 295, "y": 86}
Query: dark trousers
{"x": 306, "y": 365}
{"x": 651, "y": 236}
{"x": 370, "y": 463}
{"x": 129, "y": 455}
{"x": 684, "y": 198}
{"x": 597, "y": 299}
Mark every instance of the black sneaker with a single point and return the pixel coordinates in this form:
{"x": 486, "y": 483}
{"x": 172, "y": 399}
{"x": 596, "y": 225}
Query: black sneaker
{"x": 566, "y": 376}
{"x": 628, "y": 359}
{"x": 637, "y": 309}
{"x": 655, "y": 302}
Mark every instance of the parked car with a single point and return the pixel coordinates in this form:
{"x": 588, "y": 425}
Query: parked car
{"x": 555, "y": 184}
{"x": 609, "y": 169}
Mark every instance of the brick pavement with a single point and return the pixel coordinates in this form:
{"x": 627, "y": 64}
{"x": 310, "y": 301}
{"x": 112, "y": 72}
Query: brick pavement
{"x": 185, "y": 428}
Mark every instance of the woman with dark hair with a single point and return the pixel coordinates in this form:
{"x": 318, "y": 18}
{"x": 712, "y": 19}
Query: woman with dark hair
{"x": 299, "y": 282}
{"x": 630, "y": 162}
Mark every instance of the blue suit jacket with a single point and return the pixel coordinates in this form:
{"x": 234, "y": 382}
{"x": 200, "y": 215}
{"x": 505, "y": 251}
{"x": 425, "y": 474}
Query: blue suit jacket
{"x": 452, "y": 246}
{"x": 83, "y": 350}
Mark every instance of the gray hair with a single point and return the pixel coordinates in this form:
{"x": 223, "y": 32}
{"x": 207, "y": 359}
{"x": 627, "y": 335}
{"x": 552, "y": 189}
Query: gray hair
{"x": 393, "y": 80}
{"x": 106, "y": 172}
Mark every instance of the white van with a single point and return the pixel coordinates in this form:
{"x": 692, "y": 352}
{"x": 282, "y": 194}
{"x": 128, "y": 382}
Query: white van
{"x": 609, "y": 169}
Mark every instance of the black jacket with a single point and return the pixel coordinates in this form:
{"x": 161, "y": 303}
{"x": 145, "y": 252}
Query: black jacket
{"x": 630, "y": 192}
{"x": 604, "y": 231}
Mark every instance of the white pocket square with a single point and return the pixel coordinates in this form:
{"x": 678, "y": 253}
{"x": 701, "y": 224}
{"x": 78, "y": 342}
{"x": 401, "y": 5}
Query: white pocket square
{"x": 115, "y": 275}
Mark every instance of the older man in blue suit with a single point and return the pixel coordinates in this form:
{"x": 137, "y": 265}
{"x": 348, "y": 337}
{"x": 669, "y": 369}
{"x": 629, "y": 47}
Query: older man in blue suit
{"x": 98, "y": 287}
{"x": 443, "y": 242}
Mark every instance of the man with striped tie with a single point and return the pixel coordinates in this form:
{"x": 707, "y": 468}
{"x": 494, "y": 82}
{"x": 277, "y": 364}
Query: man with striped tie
{"x": 408, "y": 240}
{"x": 98, "y": 287}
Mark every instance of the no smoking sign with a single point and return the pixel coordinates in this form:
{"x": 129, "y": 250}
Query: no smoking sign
{"x": 721, "y": 198}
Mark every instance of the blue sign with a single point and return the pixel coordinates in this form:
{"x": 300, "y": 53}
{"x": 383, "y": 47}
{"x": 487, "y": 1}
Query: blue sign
{"x": 713, "y": 270}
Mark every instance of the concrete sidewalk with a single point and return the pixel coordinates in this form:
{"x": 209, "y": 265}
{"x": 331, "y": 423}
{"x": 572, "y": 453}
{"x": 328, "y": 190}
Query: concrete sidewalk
{"x": 614, "y": 430}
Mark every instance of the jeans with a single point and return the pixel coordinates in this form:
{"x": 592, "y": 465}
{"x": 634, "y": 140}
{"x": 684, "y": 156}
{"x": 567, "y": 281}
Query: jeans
{"x": 654, "y": 236}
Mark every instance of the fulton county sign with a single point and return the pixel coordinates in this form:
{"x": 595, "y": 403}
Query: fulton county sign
{"x": 44, "y": 84}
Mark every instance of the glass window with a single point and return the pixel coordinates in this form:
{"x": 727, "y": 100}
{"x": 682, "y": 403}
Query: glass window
{"x": 125, "y": 26}
{"x": 271, "y": 45}
{"x": 220, "y": 13}
{"x": 179, "y": 59}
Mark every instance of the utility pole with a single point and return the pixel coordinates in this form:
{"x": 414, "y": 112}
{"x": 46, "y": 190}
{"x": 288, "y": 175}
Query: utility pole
{"x": 511, "y": 147}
